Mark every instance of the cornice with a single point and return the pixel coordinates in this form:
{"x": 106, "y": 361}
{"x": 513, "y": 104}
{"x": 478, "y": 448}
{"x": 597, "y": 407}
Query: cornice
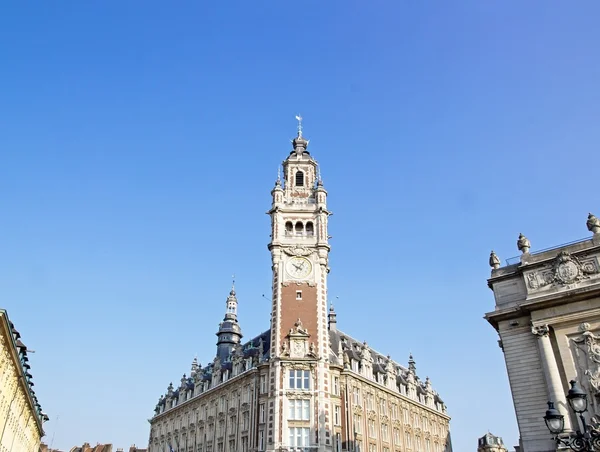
{"x": 21, "y": 380}
{"x": 542, "y": 302}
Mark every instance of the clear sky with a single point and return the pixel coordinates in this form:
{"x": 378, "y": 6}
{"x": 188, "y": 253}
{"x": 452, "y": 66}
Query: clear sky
{"x": 139, "y": 142}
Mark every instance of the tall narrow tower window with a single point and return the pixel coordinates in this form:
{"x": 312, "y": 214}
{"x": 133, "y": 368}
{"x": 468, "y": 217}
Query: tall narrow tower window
{"x": 299, "y": 228}
{"x": 299, "y": 179}
{"x": 310, "y": 229}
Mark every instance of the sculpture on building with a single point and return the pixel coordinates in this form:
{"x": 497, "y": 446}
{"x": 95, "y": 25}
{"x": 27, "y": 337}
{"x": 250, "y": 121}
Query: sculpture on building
{"x": 523, "y": 244}
{"x": 494, "y": 260}
{"x": 593, "y": 224}
{"x": 588, "y": 345}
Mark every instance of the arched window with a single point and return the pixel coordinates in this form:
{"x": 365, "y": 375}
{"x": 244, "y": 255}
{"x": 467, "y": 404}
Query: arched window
{"x": 310, "y": 229}
{"x": 299, "y": 228}
{"x": 299, "y": 179}
{"x": 289, "y": 228}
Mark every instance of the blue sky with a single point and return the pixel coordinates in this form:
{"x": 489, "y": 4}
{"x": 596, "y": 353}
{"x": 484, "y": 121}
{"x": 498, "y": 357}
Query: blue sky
{"x": 140, "y": 141}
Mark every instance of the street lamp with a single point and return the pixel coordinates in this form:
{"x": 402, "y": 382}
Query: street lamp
{"x": 586, "y": 441}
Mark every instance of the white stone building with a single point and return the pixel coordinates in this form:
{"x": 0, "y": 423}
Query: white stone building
{"x": 302, "y": 384}
{"x": 548, "y": 318}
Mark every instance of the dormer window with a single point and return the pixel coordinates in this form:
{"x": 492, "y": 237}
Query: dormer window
{"x": 299, "y": 179}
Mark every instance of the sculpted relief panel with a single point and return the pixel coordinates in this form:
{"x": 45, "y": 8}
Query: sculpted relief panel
{"x": 564, "y": 271}
{"x": 586, "y": 356}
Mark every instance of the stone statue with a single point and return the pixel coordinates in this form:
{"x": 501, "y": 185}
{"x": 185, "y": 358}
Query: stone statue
{"x": 494, "y": 261}
{"x": 593, "y": 224}
{"x": 285, "y": 350}
{"x": 523, "y": 244}
{"x": 312, "y": 349}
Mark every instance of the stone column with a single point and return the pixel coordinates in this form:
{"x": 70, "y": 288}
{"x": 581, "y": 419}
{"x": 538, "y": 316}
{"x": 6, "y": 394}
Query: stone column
{"x": 556, "y": 392}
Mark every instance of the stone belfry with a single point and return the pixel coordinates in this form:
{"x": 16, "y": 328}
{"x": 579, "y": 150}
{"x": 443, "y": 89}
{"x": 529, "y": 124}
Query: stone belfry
{"x": 299, "y": 335}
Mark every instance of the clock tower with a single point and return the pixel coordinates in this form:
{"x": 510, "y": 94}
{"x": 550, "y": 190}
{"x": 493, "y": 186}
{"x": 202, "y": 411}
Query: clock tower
{"x": 299, "y": 375}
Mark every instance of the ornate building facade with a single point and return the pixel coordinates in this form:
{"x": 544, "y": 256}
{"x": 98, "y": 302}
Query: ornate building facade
{"x": 21, "y": 415}
{"x": 302, "y": 385}
{"x": 548, "y": 318}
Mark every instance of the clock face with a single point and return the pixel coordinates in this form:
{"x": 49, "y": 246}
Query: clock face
{"x": 298, "y": 267}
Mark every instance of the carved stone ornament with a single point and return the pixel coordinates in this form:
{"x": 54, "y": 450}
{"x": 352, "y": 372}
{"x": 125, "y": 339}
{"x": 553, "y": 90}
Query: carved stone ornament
{"x": 540, "y": 330}
{"x": 587, "y": 357}
{"x": 566, "y": 269}
{"x": 298, "y": 251}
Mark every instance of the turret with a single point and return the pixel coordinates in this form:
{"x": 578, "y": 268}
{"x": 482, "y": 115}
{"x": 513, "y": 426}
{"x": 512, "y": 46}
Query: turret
{"x": 229, "y": 333}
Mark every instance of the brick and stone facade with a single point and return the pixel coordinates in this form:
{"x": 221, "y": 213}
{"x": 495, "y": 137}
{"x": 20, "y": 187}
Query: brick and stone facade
{"x": 302, "y": 384}
{"x": 548, "y": 318}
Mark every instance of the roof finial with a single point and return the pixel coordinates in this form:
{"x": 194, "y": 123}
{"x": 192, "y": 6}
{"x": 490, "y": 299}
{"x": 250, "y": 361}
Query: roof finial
{"x": 233, "y": 283}
{"x": 299, "y": 118}
{"x": 279, "y": 173}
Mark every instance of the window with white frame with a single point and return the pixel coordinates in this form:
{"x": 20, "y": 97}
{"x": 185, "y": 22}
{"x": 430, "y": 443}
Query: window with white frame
{"x": 384, "y": 432}
{"x": 263, "y": 384}
{"x": 418, "y": 444}
{"x": 262, "y": 413}
{"x": 336, "y": 385}
{"x": 299, "y": 379}
{"x": 357, "y": 423}
{"x": 299, "y": 437}
{"x": 299, "y": 409}
{"x": 337, "y": 415}
{"x": 372, "y": 447}
{"x": 407, "y": 440}
{"x": 382, "y": 407}
{"x": 372, "y": 430}
{"x": 261, "y": 440}
{"x": 298, "y": 295}
{"x": 397, "y": 436}
{"x": 356, "y": 395}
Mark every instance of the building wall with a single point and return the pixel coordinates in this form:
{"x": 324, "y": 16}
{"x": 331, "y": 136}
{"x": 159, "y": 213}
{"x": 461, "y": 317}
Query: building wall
{"x": 547, "y": 315}
{"x": 20, "y": 426}
{"x": 378, "y": 419}
{"x": 227, "y": 417}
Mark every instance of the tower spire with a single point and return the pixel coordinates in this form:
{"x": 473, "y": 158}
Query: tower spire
{"x": 299, "y": 118}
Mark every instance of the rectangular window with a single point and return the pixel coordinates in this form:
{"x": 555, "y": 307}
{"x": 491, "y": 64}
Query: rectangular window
{"x": 356, "y": 395}
{"x": 382, "y": 407}
{"x": 336, "y": 385}
{"x": 261, "y": 440}
{"x": 337, "y": 415}
{"x": 299, "y": 437}
{"x": 245, "y": 420}
{"x": 397, "y": 436}
{"x": 299, "y": 410}
{"x": 372, "y": 431}
{"x": 222, "y": 403}
{"x": 407, "y": 440}
{"x": 262, "y": 413}
{"x": 299, "y": 379}
{"x": 357, "y": 421}
{"x": 384, "y": 432}
{"x": 372, "y": 448}
{"x": 263, "y": 384}
{"x": 298, "y": 295}
{"x": 244, "y": 444}
{"x": 232, "y": 423}
{"x": 406, "y": 416}
{"x": 232, "y": 445}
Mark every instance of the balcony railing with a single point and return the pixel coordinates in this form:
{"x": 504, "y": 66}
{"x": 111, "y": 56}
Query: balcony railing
{"x": 517, "y": 259}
